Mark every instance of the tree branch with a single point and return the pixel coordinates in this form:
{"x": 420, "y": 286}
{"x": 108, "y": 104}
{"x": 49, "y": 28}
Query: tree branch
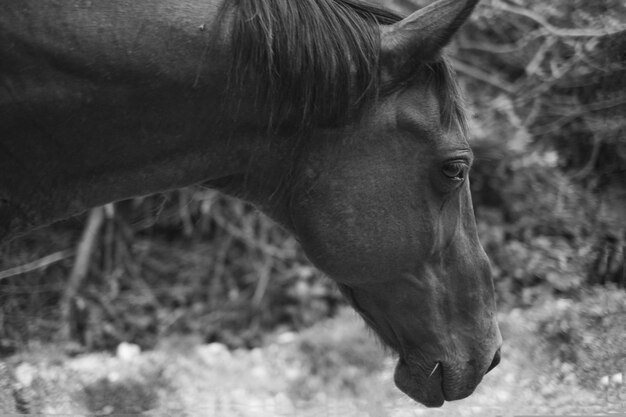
{"x": 41, "y": 263}
{"x": 564, "y": 33}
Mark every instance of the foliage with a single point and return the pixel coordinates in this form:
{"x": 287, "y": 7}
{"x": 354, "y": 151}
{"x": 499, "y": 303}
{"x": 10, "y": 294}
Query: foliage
{"x": 146, "y": 280}
{"x": 589, "y": 333}
{"x": 339, "y": 354}
{"x": 547, "y": 83}
{"x": 544, "y": 234}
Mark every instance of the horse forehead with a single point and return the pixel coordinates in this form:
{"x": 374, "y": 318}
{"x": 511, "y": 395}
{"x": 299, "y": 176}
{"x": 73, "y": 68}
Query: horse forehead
{"x": 418, "y": 110}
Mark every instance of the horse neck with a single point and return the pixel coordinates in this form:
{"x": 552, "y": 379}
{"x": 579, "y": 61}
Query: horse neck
{"x": 117, "y": 38}
{"x": 111, "y": 99}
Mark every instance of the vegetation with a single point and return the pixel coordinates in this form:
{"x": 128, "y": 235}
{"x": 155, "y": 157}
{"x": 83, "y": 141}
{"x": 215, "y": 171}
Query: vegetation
{"x": 549, "y": 82}
{"x": 189, "y": 262}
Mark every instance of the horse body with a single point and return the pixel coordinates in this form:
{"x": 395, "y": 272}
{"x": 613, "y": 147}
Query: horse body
{"x": 106, "y": 100}
{"x": 344, "y": 127}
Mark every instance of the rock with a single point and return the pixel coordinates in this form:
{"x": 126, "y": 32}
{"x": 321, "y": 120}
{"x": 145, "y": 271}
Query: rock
{"x": 259, "y": 372}
{"x": 617, "y": 379}
{"x": 286, "y": 337}
{"x": 214, "y": 353}
{"x": 127, "y": 351}
{"x": 25, "y": 374}
{"x": 612, "y": 380}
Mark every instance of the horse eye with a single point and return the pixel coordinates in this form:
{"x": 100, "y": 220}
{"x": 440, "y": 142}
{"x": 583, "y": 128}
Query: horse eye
{"x": 455, "y": 170}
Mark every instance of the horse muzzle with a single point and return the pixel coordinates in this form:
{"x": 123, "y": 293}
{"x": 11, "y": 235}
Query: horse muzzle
{"x": 444, "y": 382}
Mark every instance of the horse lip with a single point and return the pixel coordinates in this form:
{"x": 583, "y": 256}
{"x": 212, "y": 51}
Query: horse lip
{"x": 427, "y": 389}
{"x": 438, "y": 374}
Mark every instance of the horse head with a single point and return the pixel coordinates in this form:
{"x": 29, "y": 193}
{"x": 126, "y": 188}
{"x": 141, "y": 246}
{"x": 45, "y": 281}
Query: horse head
{"x": 383, "y": 207}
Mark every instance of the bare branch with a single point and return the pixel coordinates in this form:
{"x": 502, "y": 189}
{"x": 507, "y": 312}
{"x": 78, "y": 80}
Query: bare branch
{"x": 41, "y": 263}
{"x": 483, "y": 76}
{"x": 561, "y": 32}
{"x": 81, "y": 265}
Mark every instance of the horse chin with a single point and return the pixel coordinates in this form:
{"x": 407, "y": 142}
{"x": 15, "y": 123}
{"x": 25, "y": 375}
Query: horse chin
{"x": 425, "y": 389}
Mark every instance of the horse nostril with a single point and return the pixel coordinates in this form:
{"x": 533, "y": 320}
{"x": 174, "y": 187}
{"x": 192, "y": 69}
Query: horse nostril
{"x": 495, "y": 362}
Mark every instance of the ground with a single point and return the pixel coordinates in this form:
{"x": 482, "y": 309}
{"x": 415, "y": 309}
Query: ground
{"x": 335, "y": 368}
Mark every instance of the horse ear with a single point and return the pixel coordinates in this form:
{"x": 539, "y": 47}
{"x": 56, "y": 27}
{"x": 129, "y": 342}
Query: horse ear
{"x": 420, "y": 37}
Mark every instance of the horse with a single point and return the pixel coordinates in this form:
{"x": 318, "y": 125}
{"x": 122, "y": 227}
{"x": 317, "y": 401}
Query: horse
{"x": 341, "y": 121}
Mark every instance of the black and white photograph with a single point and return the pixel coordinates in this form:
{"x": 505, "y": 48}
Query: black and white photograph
{"x": 313, "y": 208}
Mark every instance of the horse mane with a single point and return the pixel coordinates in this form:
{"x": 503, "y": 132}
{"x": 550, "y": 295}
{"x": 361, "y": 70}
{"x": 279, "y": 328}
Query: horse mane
{"x": 314, "y": 61}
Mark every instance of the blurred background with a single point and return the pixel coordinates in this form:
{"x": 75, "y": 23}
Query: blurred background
{"x": 193, "y": 302}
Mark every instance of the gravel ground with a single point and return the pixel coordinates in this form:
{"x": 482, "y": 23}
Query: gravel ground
{"x": 186, "y": 378}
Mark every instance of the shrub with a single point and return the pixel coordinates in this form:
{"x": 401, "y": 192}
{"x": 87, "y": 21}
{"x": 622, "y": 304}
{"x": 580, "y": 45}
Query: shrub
{"x": 588, "y": 332}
